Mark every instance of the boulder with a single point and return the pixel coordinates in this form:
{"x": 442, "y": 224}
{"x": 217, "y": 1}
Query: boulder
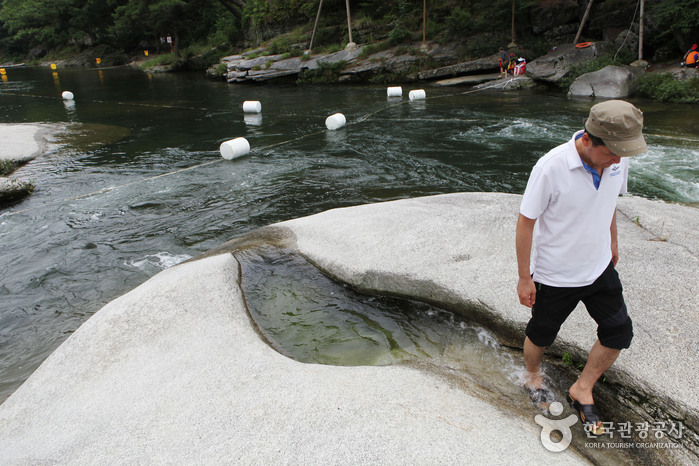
{"x": 556, "y": 64}
{"x": 480, "y": 65}
{"x": 610, "y": 82}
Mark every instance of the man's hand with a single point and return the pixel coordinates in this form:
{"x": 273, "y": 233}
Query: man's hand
{"x": 526, "y": 291}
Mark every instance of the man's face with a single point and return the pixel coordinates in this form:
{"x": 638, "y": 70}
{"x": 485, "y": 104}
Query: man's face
{"x": 598, "y": 156}
{"x": 603, "y": 157}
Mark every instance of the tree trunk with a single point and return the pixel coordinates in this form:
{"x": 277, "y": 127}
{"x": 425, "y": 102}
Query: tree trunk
{"x": 234, "y": 6}
{"x": 582, "y": 23}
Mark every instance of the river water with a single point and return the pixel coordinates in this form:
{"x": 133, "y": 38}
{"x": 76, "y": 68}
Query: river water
{"x": 103, "y": 220}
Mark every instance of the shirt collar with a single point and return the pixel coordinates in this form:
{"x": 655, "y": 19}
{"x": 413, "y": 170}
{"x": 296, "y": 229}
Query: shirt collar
{"x": 573, "y": 158}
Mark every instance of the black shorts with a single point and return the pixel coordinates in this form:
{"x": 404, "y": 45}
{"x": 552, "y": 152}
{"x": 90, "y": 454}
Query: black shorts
{"x": 603, "y": 299}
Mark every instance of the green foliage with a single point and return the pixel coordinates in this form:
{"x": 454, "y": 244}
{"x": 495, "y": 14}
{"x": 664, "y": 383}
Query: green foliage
{"x": 371, "y": 49}
{"x": 459, "y": 22}
{"x": 570, "y": 362}
{"x": 674, "y": 16}
{"x": 166, "y": 59}
{"x": 279, "y": 45}
{"x": 326, "y": 73}
{"x": 7, "y": 167}
{"x": 266, "y": 12}
{"x": 398, "y": 35}
{"x": 664, "y": 87}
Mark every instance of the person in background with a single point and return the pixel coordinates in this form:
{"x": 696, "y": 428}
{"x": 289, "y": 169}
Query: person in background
{"x": 504, "y": 60}
{"x": 691, "y": 58}
{"x": 571, "y": 197}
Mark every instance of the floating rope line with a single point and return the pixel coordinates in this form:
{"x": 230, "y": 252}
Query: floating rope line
{"x": 138, "y": 104}
{"x": 260, "y": 149}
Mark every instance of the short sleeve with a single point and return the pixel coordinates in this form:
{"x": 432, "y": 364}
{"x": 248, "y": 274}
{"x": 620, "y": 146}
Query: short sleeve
{"x": 537, "y": 194}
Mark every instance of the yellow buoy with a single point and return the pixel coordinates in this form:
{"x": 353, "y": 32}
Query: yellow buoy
{"x": 98, "y": 60}
{"x": 53, "y": 66}
{"x": 145, "y": 52}
{"x": 2, "y": 71}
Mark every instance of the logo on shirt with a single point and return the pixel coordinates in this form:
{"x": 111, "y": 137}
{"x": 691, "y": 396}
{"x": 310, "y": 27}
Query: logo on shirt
{"x": 615, "y": 170}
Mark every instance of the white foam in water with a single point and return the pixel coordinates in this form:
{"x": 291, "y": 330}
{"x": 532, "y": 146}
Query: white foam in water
{"x": 672, "y": 170}
{"x": 487, "y": 338}
{"x": 161, "y": 260}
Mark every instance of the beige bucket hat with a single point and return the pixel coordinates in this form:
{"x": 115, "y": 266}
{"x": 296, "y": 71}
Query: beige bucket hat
{"x": 619, "y": 124}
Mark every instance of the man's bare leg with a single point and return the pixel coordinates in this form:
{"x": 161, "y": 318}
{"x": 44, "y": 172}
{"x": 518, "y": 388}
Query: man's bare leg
{"x": 600, "y": 359}
{"x": 532, "y": 360}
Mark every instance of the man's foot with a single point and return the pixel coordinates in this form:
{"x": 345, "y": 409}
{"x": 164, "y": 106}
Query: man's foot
{"x": 542, "y": 397}
{"x": 589, "y": 416}
{"x": 582, "y": 396}
{"x": 538, "y": 392}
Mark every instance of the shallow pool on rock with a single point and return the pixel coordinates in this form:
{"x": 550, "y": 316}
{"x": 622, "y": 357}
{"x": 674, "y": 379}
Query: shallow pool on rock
{"x": 312, "y": 318}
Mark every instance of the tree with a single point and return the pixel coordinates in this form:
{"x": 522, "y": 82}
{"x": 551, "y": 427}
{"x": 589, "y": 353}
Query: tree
{"x": 678, "y": 19}
{"x": 38, "y": 22}
{"x": 140, "y": 20}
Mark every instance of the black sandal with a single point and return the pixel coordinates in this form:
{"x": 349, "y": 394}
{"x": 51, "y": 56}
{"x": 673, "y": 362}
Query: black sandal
{"x": 589, "y": 416}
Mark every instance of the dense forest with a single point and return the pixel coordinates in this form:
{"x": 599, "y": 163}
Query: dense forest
{"x": 48, "y": 29}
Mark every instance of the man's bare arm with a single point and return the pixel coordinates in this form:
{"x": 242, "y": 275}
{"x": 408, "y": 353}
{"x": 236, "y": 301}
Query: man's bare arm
{"x": 526, "y": 290}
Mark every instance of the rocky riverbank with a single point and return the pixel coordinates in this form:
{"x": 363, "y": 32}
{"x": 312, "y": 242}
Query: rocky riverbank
{"x": 21, "y": 143}
{"x": 436, "y": 64}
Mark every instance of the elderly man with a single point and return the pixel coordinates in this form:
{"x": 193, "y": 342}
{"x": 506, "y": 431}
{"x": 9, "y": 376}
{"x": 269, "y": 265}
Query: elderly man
{"x": 571, "y": 197}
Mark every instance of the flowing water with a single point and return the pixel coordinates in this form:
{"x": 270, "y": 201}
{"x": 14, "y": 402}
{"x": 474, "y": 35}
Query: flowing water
{"x": 102, "y": 220}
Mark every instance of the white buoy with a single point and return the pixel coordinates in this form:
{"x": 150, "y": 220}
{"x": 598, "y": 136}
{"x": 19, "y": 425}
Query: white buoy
{"x": 395, "y": 91}
{"x": 252, "y": 106}
{"x": 335, "y": 121}
{"x": 67, "y": 95}
{"x": 234, "y": 148}
{"x": 417, "y": 94}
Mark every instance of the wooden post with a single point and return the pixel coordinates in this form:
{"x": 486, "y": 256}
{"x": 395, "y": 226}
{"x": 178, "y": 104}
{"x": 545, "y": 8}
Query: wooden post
{"x": 424, "y": 22}
{"x": 315, "y": 26}
{"x": 349, "y": 22}
{"x": 640, "y": 33}
{"x": 582, "y": 23}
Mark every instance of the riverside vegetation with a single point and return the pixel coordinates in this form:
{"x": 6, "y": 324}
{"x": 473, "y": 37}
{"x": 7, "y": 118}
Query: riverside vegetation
{"x": 201, "y": 32}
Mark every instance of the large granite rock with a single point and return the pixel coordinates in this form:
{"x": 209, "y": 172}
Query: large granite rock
{"x": 269, "y": 67}
{"x": 474, "y": 66}
{"x": 555, "y": 65}
{"x": 610, "y": 82}
{"x": 20, "y": 144}
{"x": 175, "y": 372}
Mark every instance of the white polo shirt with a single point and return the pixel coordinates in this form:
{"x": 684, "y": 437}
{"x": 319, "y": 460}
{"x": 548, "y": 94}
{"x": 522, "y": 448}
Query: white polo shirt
{"x": 572, "y": 240}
